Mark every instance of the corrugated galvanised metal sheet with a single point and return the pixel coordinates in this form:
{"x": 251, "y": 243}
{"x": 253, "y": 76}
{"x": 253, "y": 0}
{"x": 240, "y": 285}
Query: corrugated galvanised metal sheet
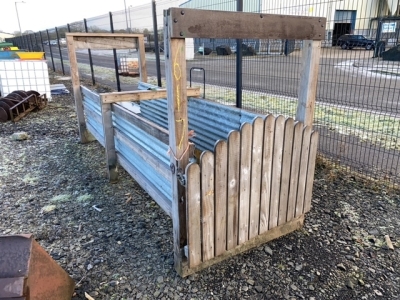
{"x": 211, "y": 121}
{"x": 92, "y": 109}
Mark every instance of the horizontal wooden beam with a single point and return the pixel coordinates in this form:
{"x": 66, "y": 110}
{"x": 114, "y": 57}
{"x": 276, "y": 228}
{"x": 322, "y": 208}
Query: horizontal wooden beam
{"x": 196, "y": 23}
{"x": 143, "y": 95}
{"x": 103, "y": 34}
{"x": 105, "y": 43}
{"x": 269, "y": 235}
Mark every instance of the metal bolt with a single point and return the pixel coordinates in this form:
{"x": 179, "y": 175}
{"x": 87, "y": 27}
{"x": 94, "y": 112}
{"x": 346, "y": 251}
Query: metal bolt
{"x": 181, "y": 33}
{"x": 176, "y": 20}
{"x": 182, "y": 12}
{"x": 172, "y": 167}
{"x": 261, "y": 16}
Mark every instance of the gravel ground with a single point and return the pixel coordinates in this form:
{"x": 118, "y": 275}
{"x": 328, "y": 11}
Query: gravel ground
{"x": 50, "y": 182}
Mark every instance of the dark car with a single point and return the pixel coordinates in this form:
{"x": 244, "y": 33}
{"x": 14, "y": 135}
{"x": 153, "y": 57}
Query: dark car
{"x": 349, "y": 41}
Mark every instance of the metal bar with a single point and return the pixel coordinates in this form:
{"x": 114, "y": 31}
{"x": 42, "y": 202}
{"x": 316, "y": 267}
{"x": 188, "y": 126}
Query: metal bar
{"x": 59, "y": 49}
{"x": 115, "y": 56}
{"x": 156, "y": 45}
{"x": 90, "y": 56}
{"x": 239, "y": 63}
{"x": 204, "y": 78}
{"x": 31, "y": 43}
{"x": 41, "y": 40}
{"x": 36, "y": 41}
{"x": 51, "y": 51}
{"x": 197, "y": 23}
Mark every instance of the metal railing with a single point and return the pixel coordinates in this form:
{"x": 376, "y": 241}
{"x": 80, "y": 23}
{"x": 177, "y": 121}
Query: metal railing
{"x": 357, "y": 110}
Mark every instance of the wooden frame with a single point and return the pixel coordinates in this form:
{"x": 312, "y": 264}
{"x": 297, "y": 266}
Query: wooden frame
{"x": 254, "y": 186}
{"x": 193, "y": 23}
{"x": 99, "y": 41}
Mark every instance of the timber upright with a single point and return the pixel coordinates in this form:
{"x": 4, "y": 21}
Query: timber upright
{"x": 256, "y": 185}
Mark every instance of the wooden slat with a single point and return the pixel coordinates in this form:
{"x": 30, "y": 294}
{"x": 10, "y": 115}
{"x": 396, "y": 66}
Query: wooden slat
{"x": 102, "y": 34}
{"x": 276, "y": 171}
{"x": 256, "y": 176}
{"x": 294, "y": 172}
{"x": 308, "y": 82}
{"x": 233, "y": 188}
{"x": 143, "y": 95}
{"x": 144, "y": 154}
{"x": 108, "y": 130}
{"x": 195, "y": 23}
{"x": 84, "y": 134}
{"x": 286, "y": 165}
{"x": 310, "y": 171}
{"x": 193, "y": 195}
{"x": 246, "y": 132}
{"x": 149, "y": 127}
{"x": 105, "y": 43}
{"x": 221, "y": 203}
{"x": 305, "y": 149}
{"x": 267, "y": 236}
{"x": 207, "y": 204}
{"x": 142, "y": 60}
{"x": 268, "y": 145}
{"x": 175, "y": 71}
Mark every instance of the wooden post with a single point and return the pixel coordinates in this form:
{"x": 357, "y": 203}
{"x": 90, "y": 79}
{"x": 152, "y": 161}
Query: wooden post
{"x": 142, "y": 60}
{"x": 109, "y": 143}
{"x": 84, "y": 134}
{"x": 308, "y": 82}
{"x": 175, "y": 71}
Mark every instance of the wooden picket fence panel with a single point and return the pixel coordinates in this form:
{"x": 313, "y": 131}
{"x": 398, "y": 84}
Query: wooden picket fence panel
{"x": 257, "y": 180}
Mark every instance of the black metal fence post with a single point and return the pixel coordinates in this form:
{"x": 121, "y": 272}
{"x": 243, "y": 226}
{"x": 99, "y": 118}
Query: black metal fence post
{"x": 59, "y": 49}
{"x": 41, "y": 40}
{"x": 239, "y": 64}
{"x": 31, "y": 42}
{"x": 115, "y": 56}
{"x": 90, "y": 56}
{"x": 36, "y": 43}
{"x": 156, "y": 46}
{"x": 51, "y": 51}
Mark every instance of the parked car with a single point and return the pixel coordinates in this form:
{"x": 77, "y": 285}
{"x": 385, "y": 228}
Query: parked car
{"x": 53, "y": 42}
{"x": 349, "y": 41}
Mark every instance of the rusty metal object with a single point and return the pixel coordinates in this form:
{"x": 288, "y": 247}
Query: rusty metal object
{"x": 27, "y": 272}
{"x": 20, "y": 103}
{"x": 3, "y": 115}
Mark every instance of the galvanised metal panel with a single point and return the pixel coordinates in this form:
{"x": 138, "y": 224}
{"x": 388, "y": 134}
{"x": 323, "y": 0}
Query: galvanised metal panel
{"x": 161, "y": 183}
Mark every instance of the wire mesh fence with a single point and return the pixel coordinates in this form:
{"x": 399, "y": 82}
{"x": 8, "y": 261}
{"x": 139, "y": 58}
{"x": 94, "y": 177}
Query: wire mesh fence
{"x": 357, "y": 110}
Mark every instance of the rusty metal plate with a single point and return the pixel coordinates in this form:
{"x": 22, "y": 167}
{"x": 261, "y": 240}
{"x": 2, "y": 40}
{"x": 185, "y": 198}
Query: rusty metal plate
{"x": 12, "y": 287}
{"x": 197, "y": 23}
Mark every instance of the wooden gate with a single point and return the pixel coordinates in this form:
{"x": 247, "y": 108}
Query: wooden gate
{"x": 259, "y": 179}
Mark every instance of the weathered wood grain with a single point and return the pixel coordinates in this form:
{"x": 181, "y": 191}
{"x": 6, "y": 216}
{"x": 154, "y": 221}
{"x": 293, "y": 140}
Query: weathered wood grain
{"x": 308, "y": 82}
{"x": 310, "y": 171}
{"x": 193, "y": 195}
{"x": 276, "y": 171}
{"x": 207, "y": 204}
{"x": 268, "y": 145}
{"x": 246, "y": 132}
{"x": 286, "y": 165}
{"x": 256, "y": 176}
{"x": 233, "y": 188}
{"x": 221, "y": 203}
{"x": 294, "y": 172}
{"x": 305, "y": 149}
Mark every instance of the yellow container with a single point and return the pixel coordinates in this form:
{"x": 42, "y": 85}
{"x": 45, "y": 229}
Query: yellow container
{"x": 30, "y": 55}
{"x": 14, "y": 48}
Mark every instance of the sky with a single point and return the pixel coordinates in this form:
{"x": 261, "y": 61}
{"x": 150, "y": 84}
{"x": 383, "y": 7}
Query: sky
{"x": 43, "y": 14}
